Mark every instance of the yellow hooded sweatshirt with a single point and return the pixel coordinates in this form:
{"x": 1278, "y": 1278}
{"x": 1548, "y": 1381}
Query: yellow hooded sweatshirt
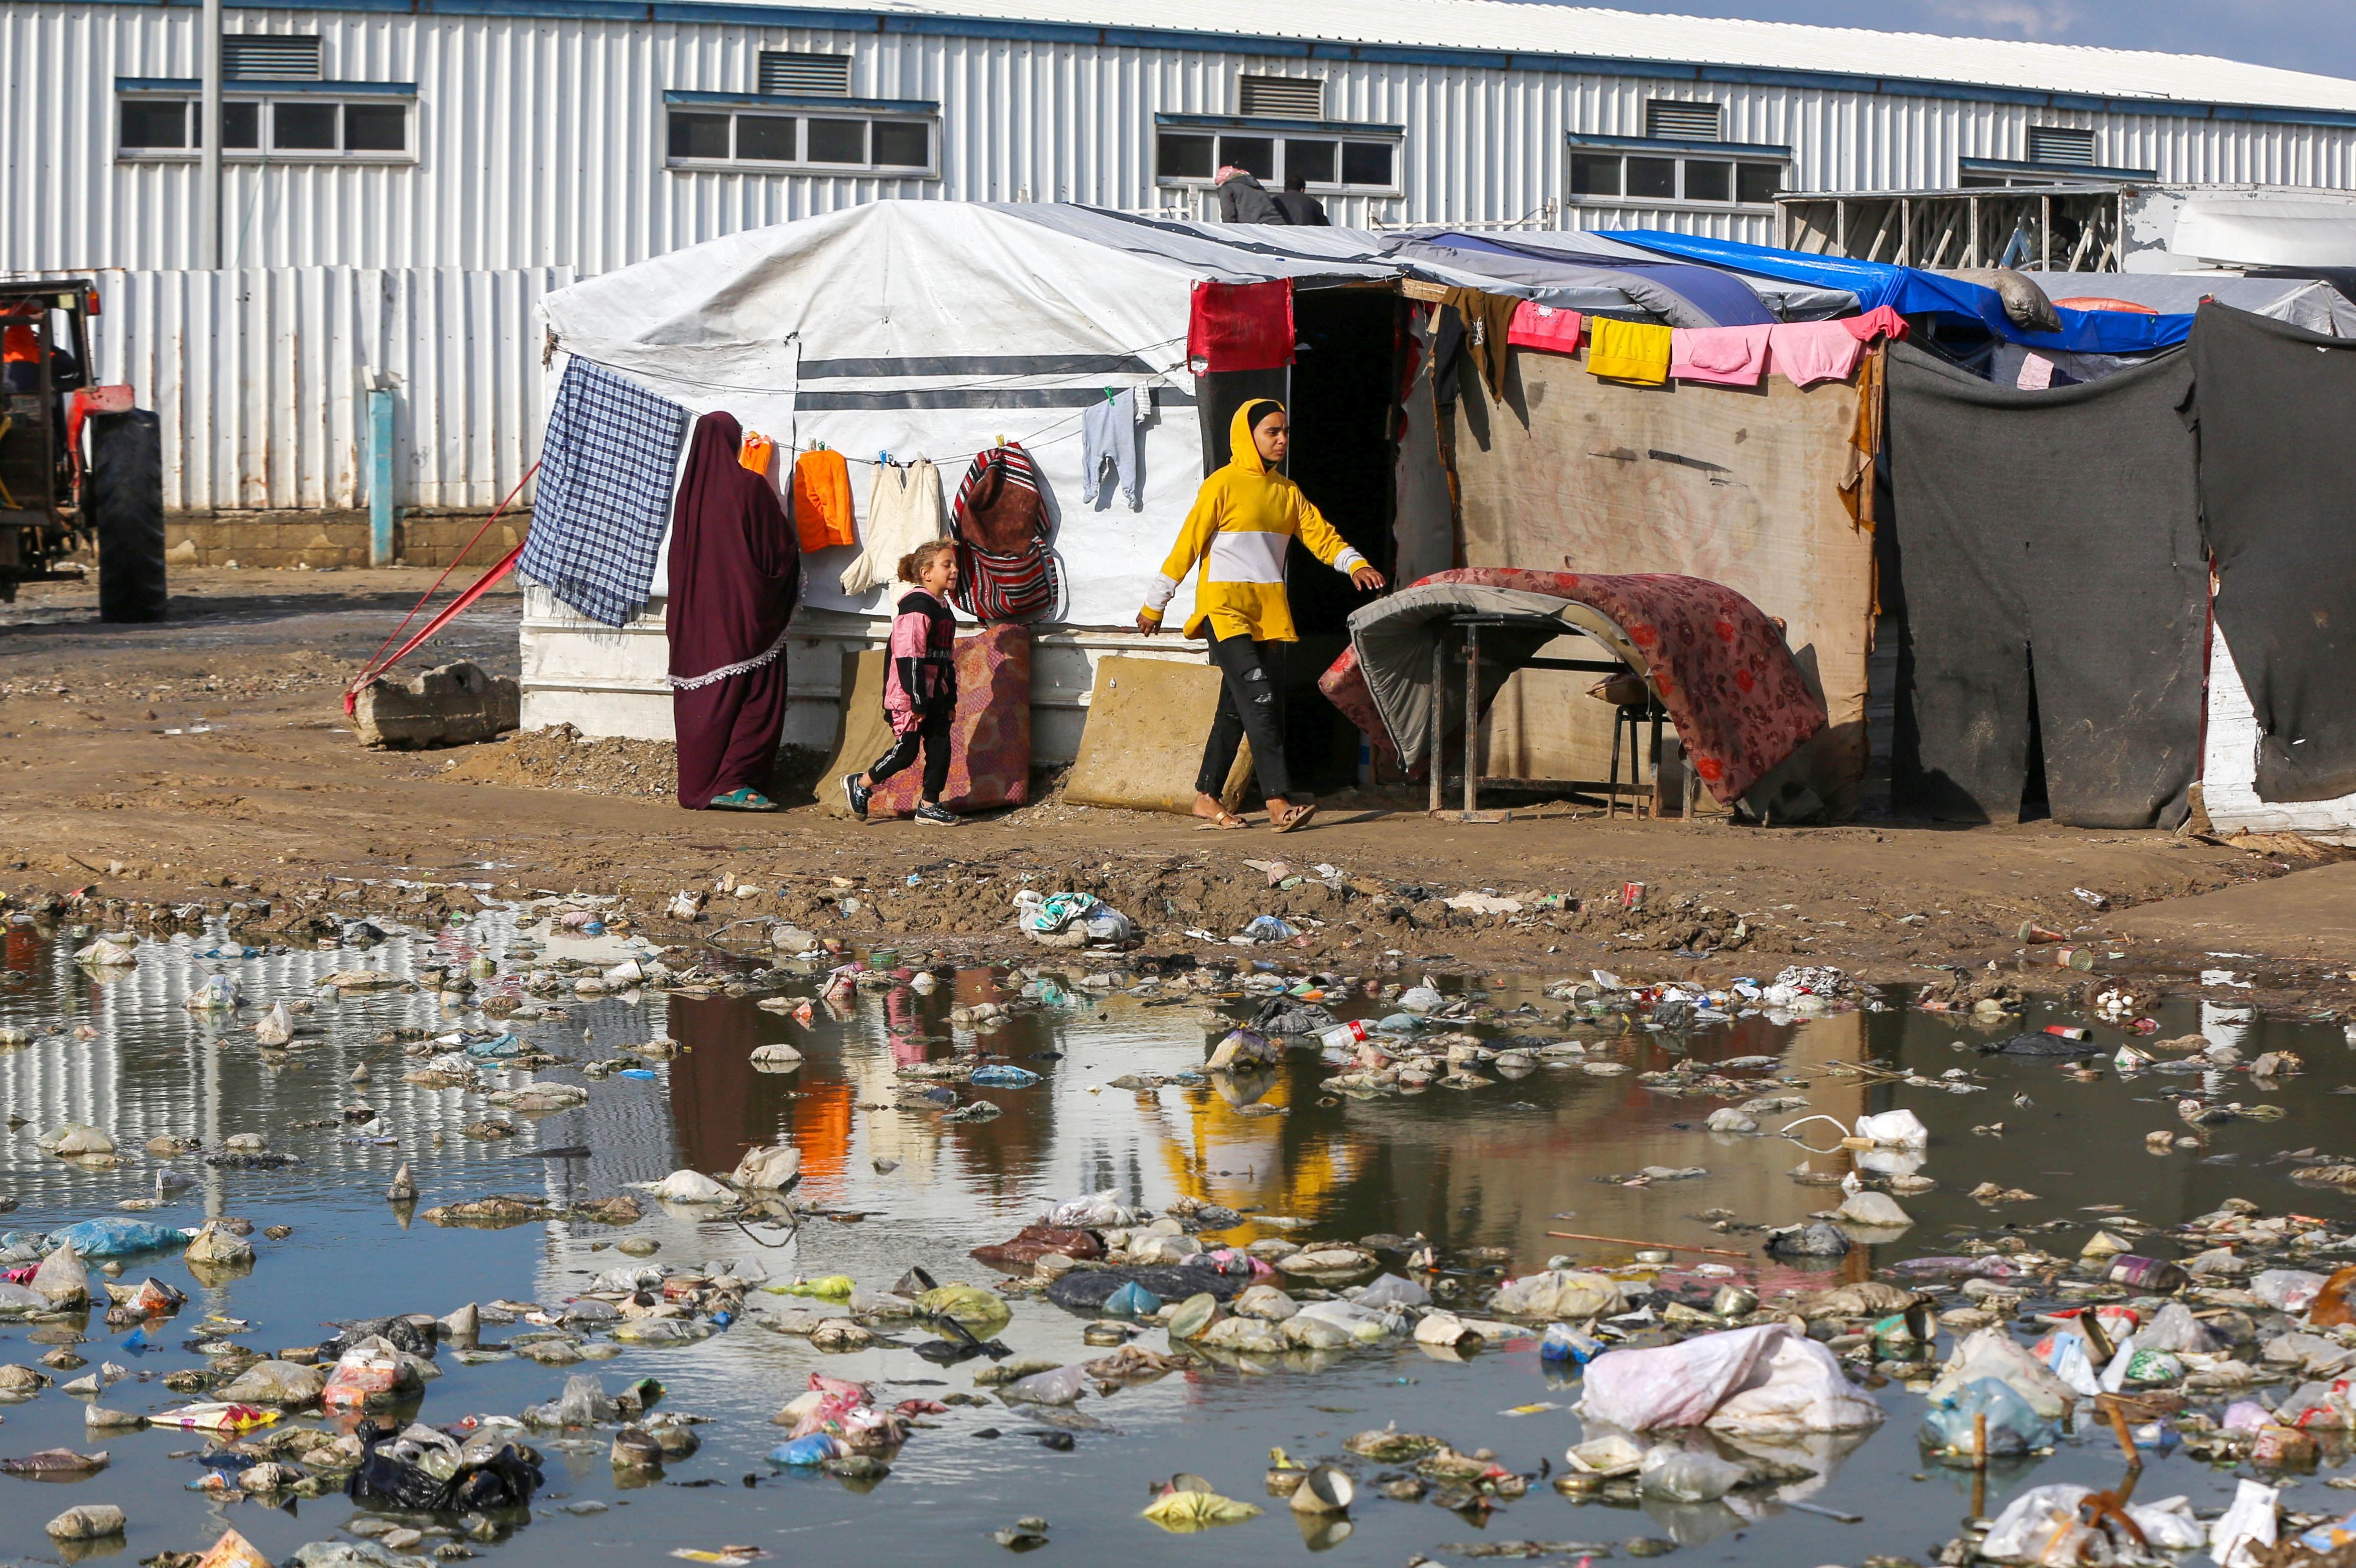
{"x": 1244, "y": 516}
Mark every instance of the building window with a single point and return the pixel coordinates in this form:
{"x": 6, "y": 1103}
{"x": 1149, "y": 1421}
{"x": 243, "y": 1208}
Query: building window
{"x": 2061, "y": 144}
{"x": 1679, "y": 120}
{"x": 810, "y": 75}
{"x": 1280, "y": 97}
{"x": 164, "y": 120}
{"x": 270, "y": 57}
{"x": 840, "y": 141}
{"x": 1604, "y": 169}
{"x": 1342, "y": 160}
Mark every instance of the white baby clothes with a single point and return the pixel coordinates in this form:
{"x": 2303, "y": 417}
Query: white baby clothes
{"x": 1110, "y": 435}
{"x": 903, "y": 510}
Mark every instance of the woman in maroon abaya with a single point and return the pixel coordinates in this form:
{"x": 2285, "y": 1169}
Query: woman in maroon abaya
{"x": 735, "y": 572}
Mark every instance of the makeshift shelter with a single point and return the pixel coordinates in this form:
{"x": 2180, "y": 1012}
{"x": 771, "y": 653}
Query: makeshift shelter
{"x": 900, "y": 331}
{"x": 904, "y": 330}
{"x": 1740, "y": 486}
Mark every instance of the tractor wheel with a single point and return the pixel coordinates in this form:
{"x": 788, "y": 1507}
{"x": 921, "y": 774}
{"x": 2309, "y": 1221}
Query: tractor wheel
{"x": 126, "y": 500}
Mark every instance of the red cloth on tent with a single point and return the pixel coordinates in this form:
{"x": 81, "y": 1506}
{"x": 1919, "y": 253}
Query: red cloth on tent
{"x": 1724, "y": 672}
{"x": 990, "y": 755}
{"x": 736, "y": 574}
{"x": 1240, "y": 326}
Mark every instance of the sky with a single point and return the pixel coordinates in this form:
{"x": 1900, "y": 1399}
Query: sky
{"x": 2316, "y": 35}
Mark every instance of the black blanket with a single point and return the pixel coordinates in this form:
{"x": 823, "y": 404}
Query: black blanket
{"x": 2049, "y": 549}
{"x": 2273, "y": 402}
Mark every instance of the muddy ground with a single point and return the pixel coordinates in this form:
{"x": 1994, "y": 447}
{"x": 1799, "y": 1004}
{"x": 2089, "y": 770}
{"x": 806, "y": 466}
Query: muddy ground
{"x": 208, "y": 761}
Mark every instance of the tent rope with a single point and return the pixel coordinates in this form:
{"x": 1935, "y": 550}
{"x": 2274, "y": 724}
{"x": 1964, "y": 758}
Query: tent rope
{"x": 374, "y": 668}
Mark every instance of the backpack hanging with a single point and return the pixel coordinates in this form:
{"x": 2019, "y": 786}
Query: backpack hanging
{"x": 1005, "y": 571}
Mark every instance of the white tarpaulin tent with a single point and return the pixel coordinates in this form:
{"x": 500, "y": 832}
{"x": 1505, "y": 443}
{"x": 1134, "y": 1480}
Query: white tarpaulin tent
{"x": 917, "y": 329}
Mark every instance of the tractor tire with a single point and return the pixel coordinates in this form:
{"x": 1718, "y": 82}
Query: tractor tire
{"x": 126, "y": 502}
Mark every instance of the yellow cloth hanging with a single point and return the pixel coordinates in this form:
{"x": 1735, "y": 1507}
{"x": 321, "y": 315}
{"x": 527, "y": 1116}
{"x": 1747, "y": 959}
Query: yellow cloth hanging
{"x": 1628, "y": 350}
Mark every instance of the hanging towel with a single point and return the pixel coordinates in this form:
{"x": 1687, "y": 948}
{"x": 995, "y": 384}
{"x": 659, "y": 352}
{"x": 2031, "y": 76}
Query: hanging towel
{"x": 1806, "y": 352}
{"x": 1628, "y": 350}
{"x": 1488, "y": 325}
{"x": 605, "y": 467}
{"x": 1723, "y": 356}
{"x": 822, "y": 500}
{"x": 903, "y": 510}
{"x": 1109, "y": 436}
{"x": 1543, "y": 326}
{"x": 1880, "y": 322}
{"x": 1240, "y": 326}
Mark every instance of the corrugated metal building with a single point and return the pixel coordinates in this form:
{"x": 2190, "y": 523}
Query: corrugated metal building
{"x": 590, "y": 134}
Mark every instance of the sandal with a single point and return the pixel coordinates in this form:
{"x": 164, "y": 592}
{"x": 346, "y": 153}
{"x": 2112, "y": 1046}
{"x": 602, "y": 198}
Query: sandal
{"x": 1226, "y": 821}
{"x": 1300, "y": 815}
{"x": 745, "y": 799}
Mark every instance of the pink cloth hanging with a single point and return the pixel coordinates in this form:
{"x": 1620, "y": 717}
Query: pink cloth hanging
{"x": 1806, "y": 352}
{"x": 1880, "y": 322}
{"x": 1724, "y": 356}
{"x": 1543, "y": 326}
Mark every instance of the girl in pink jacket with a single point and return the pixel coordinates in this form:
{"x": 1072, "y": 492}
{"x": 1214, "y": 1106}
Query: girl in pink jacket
{"x": 919, "y": 684}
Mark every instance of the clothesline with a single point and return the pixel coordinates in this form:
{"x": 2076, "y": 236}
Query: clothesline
{"x": 1033, "y": 440}
{"x": 984, "y": 384}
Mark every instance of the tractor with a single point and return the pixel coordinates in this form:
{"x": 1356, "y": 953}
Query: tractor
{"x": 54, "y": 502}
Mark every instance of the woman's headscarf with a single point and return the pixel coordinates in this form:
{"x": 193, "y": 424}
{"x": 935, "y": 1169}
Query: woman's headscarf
{"x": 1243, "y": 452}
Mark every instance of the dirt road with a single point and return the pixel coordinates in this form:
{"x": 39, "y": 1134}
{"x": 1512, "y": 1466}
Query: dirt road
{"x": 209, "y": 759}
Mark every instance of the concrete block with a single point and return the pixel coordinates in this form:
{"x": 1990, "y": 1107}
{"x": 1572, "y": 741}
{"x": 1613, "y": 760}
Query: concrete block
{"x": 1147, "y": 721}
{"x": 454, "y": 705}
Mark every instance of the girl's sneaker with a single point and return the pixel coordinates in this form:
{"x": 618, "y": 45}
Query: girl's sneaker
{"x": 857, "y": 794}
{"x": 937, "y": 815}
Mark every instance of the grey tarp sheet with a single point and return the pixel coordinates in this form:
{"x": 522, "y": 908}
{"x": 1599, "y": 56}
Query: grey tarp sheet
{"x": 2057, "y": 525}
{"x": 1393, "y": 637}
{"x": 1542, "y": 248}
{"x": 2273, "y": 406}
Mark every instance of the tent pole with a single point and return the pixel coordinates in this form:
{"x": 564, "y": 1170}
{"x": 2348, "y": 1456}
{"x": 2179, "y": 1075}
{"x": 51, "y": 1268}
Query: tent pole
{"x": 1438, "y": 706}
{"x": 1472, "y": 724}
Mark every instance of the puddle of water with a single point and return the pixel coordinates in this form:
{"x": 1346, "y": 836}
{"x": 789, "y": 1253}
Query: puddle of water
{"x": 1499, "y": 1167}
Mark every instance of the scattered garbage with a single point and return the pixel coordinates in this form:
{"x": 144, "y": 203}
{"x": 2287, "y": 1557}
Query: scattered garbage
{"x": 1072, "y": 920}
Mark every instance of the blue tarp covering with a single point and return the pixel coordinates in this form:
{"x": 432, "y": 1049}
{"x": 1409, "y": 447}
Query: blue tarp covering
{"x": 1914, "y": 292}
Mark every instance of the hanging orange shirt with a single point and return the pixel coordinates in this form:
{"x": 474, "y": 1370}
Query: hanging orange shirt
{"x": 822, "y": 501}
{"x": 756, "y": 452}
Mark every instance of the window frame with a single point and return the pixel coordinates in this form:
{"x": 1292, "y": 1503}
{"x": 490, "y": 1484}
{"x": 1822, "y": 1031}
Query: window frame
{"x": 803, "y": 108}
{"x": 1739, "y": 155}
{"x": 1279, "y": 130}
{"x": 265, "y": 94}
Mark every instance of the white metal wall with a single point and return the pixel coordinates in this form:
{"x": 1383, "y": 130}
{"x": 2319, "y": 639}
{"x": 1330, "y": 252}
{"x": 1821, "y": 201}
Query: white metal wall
{"x": 259, "y": 376}
{"x": 541, "y": 140}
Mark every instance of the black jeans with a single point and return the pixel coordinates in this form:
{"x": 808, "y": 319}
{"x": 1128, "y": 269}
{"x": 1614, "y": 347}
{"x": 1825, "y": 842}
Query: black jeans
{"x": 1251, "y": 703}
{"x": 933, "y": 733}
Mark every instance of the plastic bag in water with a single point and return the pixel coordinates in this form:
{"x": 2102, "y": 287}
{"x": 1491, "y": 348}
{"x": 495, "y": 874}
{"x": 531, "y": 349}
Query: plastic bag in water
{"x": 2013, "y": 1427}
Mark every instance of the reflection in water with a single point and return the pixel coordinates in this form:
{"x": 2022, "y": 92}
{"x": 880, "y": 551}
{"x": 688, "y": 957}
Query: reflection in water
{"x": 1497, "y": 1167}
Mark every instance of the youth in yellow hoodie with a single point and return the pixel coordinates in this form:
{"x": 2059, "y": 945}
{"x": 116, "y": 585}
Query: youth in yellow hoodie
{"x": 1243, "y": 518}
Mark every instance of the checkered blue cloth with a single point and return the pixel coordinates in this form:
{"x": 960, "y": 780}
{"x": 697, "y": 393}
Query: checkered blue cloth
{"x": 605, "y": 470}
